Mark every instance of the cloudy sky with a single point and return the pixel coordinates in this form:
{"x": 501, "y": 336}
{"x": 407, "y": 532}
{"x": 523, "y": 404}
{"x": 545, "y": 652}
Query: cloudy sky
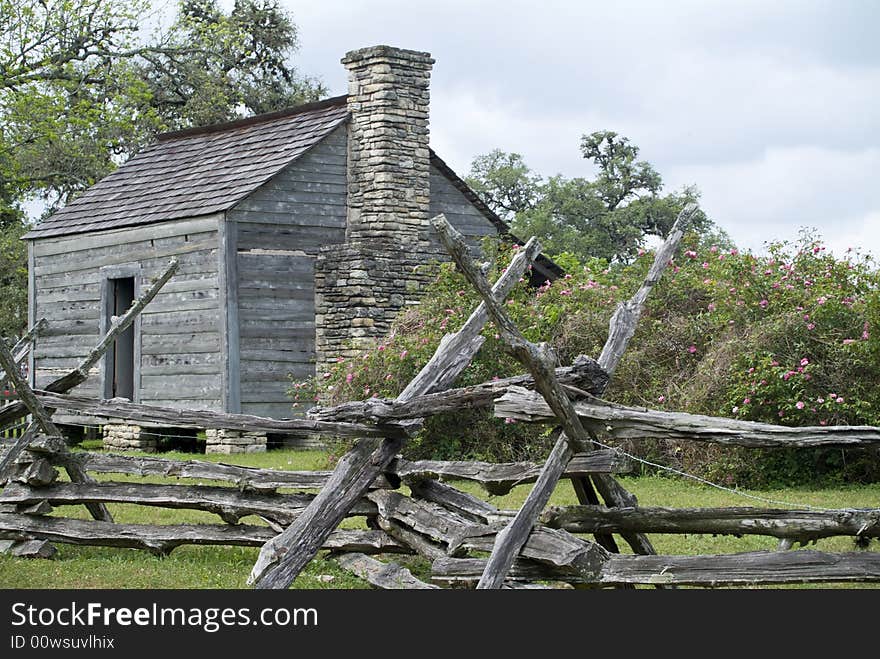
{"x": 772, "y": 109}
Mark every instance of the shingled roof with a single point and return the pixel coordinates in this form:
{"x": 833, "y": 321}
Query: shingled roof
{"x": 198, "y": 171}
{"x": 209, "y": 169}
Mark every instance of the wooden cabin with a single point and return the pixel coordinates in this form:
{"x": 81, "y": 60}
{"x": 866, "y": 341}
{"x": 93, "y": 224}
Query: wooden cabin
{"x": 316, "y": 212}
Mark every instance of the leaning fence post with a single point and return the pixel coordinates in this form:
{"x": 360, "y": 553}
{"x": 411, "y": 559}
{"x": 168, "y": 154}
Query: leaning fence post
{"x": 282, "y": 558}
{"x": 42, "y": 419}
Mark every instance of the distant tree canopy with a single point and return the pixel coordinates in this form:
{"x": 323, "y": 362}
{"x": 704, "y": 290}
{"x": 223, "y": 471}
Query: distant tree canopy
{"x": 609, "y": 216}
{"x": 85, "y": 84}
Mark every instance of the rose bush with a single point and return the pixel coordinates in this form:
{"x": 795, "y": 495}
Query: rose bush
{"x": 783, "y": 338}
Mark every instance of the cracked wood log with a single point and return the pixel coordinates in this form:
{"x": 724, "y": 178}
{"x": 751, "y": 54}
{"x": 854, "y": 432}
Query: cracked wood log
{"x": 23, "y": 346}
{"x": 545, "y": 545}
{"x": 434, "y": 530}
{"x": 621, "y": 329}
{"x": 798, "y": 525}
{"x": 420, "y": 544}
{"x": 434, "y": 521}
{"x": 387, "y": 576}
{"x": 229, "y": 504}
{"x": 43, "y": 419}
{"x": 13, "y": 412}
{"x": 586, "y": 494}
{"x": 584, "y": 373}
{"x": 620, "y": 422}
{"x": 245, "y": 478}
{"x": 540, "y": 361}
{"x": 36, "y": 473}
{"x": 180, "y": 418}
{"x": 282, "y": 558}
{"x": 500, "y": 478}
{"x": 164, "y": 538}
{"x": 743, "y": 569}
{"x": 466, "y": 505}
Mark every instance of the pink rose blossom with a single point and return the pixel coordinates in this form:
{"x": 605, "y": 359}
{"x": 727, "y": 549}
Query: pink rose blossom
{"x": 805, "y": 361}
{"x": 692, "y": 349}
{"x": 799, "y": 404}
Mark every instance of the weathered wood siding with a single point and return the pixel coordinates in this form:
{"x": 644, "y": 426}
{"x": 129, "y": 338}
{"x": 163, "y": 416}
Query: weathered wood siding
{"x": 280, "y": 228}
{"x": 461, "y": 213}
{"x": 178, "y": 336}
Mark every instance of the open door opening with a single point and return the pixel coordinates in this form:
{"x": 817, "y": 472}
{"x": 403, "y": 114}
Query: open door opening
{"x": 120, "y": 358}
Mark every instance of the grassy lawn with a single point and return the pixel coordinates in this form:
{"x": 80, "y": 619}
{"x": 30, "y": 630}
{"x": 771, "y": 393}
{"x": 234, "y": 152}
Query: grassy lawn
{"x": 228, "y": 567}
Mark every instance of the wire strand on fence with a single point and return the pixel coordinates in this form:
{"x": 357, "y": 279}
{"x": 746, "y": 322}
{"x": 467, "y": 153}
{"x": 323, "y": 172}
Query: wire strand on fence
{"x": 731, "y": 490}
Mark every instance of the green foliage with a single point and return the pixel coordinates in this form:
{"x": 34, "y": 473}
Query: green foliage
{"x": 504, "y": 182}
{"x": 83, "y": 86}
{"x": 609, "y": 216}
{"x": 13, "y": 280}
{"x": 784, "y": 338}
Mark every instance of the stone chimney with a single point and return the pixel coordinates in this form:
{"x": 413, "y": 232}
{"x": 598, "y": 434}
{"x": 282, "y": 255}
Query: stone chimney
{"x": 388, "y": 158}
{"x": 362, "y": 284}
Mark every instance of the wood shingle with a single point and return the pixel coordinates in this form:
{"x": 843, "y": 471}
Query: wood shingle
{"x": 196, "y": 172}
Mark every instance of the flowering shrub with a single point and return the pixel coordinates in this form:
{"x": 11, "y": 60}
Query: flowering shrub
{"x": 783, "y": 338}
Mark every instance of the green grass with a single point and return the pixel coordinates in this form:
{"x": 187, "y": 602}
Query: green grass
{"x": 228, "y": 567}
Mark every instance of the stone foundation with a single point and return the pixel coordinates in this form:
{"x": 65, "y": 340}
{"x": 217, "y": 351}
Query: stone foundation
{"x": 234, "y": 441}
{"x": 125, "y": 437}
{"x": 359, "y": 290}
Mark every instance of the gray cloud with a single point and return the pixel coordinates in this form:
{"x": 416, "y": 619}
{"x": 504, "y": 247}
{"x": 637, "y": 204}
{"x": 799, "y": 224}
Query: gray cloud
{"x": 769, "y": 108}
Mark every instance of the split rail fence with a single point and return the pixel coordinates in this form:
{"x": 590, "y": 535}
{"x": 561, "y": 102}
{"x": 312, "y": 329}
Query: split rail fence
{"x": 469, "y": 543}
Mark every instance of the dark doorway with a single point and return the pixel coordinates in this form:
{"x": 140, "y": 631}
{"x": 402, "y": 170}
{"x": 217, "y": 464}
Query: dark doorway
{"x": 120, "y": 358}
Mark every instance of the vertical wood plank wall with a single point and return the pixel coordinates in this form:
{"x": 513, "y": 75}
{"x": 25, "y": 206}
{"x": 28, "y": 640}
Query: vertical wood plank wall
{"x": 280, "y": 228}
{"x": 179, "y": 330}
{"x": 461, "y": 213}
